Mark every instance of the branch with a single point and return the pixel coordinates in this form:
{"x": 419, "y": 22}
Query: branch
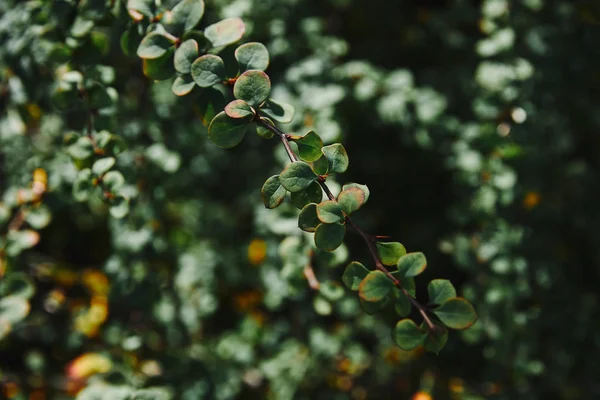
{"x": 366, "y": 237}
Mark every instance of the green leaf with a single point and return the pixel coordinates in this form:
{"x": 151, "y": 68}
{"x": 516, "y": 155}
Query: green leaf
{"x": 312, "y": 194}
{"x": 186, "y": 15}
{"x": 390, "y": 252}
{"x": 329, "y": 237}
{"x": 402, "y": 304}
{"x": 436, "y": 339}
{"x": 375, "y": 286}
{"x": 239, "y": 109}
{"x": 373, "y": 307}
{"x": 351, "y": 199}
{"x": 99, "y": 97}
{"x": 272, "y": 192}
{"x": 83, "y": 187}
{"x": 17, "y": 284}
{"x": 321, "y": 166}
{"x": 264, "y": 132}
{"x": 38, "y": 217}
{"x": 309, "y": 146}
{"x": 337, "y": 158}
{"x": 329, "y": 212}
{"x": 331, "y": 290}
{"x": 210, "y": 103}
{"x": 185, "y": 55}
{"x": 82, "y": 149}
{"x": 307, "y": 220}
{"x": 412, "y": 264}
{"x": 102, "y": 165}
{"x": 225, "y": 32}
{"x": 208, "y": 70}
{"x": 440, "y": 291}
{"x": 145, "y": 7}
{"x": 161, "y": 68}
{"x": 407, "y": 334}
{"x": 364, "y": 188}
{"x": 253, "y": 87}
{"x": 113, "y": 180}
{"x": 354, "y": 274}
{"x": 119, "y": 206}
{"x": 456, "y": 313}
{"x": 297, "y": 176}
{"x": 226, "y": 132}
{"x": 154, "y": 45}
{"x": 131, "y": 39}
{"x": 252, "y": 55}
{"x": 183, "y": 85}
{"x": 280, "y": 112}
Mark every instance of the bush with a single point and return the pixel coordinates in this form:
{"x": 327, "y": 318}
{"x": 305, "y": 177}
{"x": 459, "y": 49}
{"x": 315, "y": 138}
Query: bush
{"x": 139, "y": 260}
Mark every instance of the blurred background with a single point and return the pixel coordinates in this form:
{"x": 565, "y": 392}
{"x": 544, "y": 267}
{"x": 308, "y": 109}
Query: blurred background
{"x": 474, "y": 124}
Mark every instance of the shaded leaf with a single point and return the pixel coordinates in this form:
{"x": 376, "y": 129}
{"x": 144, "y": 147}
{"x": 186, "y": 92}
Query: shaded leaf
{"x": 279, "y": 111}
{"x": 183, "y": 85}
{"x": 209, "y": 104}
{"x": 161, "y": 68}
{"x": 440, "y": 291}
{"x": 225, "y": 131}
{"x": 272, "y": 192}
{"x": 354, "y": 274}
{"x": 329, "y": 237}
{"x": 435, "y": 340}
{"x": 308, "y": 220}
{"x": 312, "y": 194}
{"x": 407, "y": 334}
{"x": 402, "y": 304}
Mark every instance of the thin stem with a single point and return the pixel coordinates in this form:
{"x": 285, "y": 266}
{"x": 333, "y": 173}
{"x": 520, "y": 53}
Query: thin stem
{"x": 366, "y": 237}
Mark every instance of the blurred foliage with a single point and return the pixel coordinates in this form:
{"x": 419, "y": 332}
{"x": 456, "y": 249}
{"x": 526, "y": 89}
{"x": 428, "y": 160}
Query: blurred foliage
{"x": 138, "y": 261}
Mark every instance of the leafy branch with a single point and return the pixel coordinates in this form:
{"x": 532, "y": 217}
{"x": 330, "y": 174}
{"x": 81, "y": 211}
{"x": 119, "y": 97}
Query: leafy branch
{"x": 171, "y": 47}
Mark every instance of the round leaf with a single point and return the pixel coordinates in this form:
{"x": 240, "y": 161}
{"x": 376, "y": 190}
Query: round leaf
{"x": 329, "y": 237}
{"x": 309, "y": 146}
{"x": 119, "y": 207}
{"x": 225, "y": 131}
{"x": 329, "y": 212}
{"x": 160, "y": 68}
{"x": 113, "y": 180}
{"x": 253, "y": 87}
{"x": 390, "y": 252}
{"x": 153, "y": 46}
{"x": 252, "y": 55}
{"x": 280, "y": 112}
{"x": 440, "y": 291}
{"x": 102, "y": 165}
{"x": 185, "y": 55}
{"x": 297, "y": 176}
{"x": 354, "y": 274}
{"x": 239, "y": 109}
{"x": 375, "y": 286}
{"x": 312, "y": 194}
{"x": 412, "y": 264}
{"x": 308, "y": 220}
{"x": 331, "y": 290}
{"x": 456, "y": 313}
{"x": 272, "y": 192}
{"x": 225, "y": 32}
{"x": 351, "y": 200}
{"x": 337, "y": 158}
{"x": 208, "y": 70}
{"x": 13, "y": 309}
{"x": 364, "y": 188}
{"x": 186, "y": 15}
{"x": 182, "y": 85}
{"x": 407, "y": 334}
{"x": 82, "y": 149}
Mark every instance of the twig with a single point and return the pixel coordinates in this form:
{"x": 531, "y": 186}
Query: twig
{"x": 366, "y": 237}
